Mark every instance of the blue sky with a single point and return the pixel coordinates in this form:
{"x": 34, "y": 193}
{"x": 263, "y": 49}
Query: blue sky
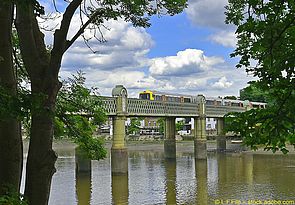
{"x": 187, "y": 53}
{"x": 175, "y": 33}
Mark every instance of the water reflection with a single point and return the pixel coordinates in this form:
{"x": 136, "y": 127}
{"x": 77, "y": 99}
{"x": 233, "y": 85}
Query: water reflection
{"x": 154, "y": 180}
{"x": 170, "y": 170}
{"x": 201, "y": 178}
{"x": 83, "y": 178}
{"x": 120, "y": 191}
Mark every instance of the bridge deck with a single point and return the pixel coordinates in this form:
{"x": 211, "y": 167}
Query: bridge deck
{"x": 146, "y": 108}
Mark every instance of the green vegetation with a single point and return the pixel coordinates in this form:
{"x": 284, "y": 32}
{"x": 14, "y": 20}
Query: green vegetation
{"x": 253, "y": 93}
{"x": 78, "y": 114}
{"x": 266, "y": 38}
{"x": 179, "y": 125}
{"x": 13, "y": 199}
{"x": 161, "y": 123}
{"x": 134, "y": 126}
{"x": 231, "y": 97}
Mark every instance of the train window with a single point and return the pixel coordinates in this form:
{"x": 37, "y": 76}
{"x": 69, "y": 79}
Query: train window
{"x": 209, "y": 102}
{"x": 158, "y": 97}
{"x": 235, "y": 104}
{"x": 187, "y": 100}
{"x": 145, "y": 96}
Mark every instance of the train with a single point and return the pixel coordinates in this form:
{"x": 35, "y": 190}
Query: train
{"x": 181, "y": 98}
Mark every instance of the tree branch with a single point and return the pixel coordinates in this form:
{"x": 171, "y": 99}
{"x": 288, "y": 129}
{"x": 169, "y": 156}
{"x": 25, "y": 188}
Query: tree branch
{"x": 60, "y": 36}
{"x": 82, "y": 29}
{"x": 30, "y": 39}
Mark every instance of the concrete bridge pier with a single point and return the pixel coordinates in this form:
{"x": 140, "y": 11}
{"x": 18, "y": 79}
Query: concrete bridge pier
{"x": 200, "y": 142}
{"x": 119, "y": 153}
{"x": 221, "y": 139}
{"x": 200, "y": 130}
{"x": 83, "y": 176}
{"x": 83, "y": 163}
{"x": 169, "y": 141}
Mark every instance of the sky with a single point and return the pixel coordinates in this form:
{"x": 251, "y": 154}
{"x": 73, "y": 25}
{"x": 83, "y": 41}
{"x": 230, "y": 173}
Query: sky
{"x": 187, "y": 53}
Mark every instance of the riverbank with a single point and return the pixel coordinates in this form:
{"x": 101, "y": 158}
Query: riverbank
{"x": 181, "y": 146}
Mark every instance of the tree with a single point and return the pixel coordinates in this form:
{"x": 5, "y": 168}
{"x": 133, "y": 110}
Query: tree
{"x": 134, "y": 126}
{"x": 230, "y": 97}
{"x": 161, "y": 123}
{"x": 78, "y": 113}
{"x": 10, "y": 136}
{"x": 254, "y": 94}
{"x": 43, "y": 68}
{"x": 179, "y": 125}
{"x": 266, "y": 36}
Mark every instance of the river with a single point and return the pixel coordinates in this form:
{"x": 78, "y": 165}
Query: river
{"x": 228, "y": 178}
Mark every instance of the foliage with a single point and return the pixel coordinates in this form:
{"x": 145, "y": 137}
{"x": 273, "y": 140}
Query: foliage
{"x": 266, "y": 36}
{"x": 179, "y": 125}
{"x": 161, "y": 122}
{"x": 136, "y": 12}
{"x": 254, "y": 94}
{"x": 134, "y": 126}
{"x": 13, "y": 199}
{"x": 230, "y": 97}
{"x": 21, "y": 105}
{"x": 78, "y": 113}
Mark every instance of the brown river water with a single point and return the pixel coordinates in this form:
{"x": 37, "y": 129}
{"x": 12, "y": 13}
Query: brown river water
{"x": 227, "y": 178}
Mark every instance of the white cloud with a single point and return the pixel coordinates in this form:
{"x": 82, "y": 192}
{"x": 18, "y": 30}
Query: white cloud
{"x": 125, "y": 46}
{"x": 208, "y": 13}
{"x": 123, "y": 60}
{"x": 222, "y": 83}
{"x": 225, "y": 38}
{"x": 184, "y": 63}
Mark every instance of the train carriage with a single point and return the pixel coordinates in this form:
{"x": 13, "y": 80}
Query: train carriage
{"x": 215, "y": 101}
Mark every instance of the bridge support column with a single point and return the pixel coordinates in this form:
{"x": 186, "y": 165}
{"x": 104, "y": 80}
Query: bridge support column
{"x": 221, "y": 139}
{"x": 169, "y": 142}
{"x": 119, "y": 153}
{"x": 83, "y": 163}
{"x": 83, "y": 176}
{"x": 200, "y": 142}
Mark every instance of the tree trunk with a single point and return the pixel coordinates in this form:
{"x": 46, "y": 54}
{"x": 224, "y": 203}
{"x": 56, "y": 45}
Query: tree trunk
{"x": 10, "y": 131}
{"x": 43, "y": 69}
{"x": 44, "y": 83}
{"x": 41, "y": 160}
{"x": 41, "y": 157}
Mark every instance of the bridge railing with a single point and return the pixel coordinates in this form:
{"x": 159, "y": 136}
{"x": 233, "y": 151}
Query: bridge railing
{"x": 109, "y": 104}
{"x": 220, "y": 111}
{"x": 139, "y": 107}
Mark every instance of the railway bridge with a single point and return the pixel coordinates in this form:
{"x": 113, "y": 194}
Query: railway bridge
{"x": 119, "y": 107}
